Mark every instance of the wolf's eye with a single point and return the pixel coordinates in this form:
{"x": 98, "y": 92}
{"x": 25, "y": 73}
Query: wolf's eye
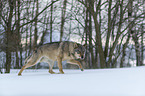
{"x": 78, "y": 52}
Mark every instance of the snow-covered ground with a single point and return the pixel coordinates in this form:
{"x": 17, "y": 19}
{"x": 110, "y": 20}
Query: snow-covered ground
{"x": 91, "y": 82}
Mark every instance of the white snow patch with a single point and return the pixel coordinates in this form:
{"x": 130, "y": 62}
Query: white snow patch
{"x": 91, "y": 82}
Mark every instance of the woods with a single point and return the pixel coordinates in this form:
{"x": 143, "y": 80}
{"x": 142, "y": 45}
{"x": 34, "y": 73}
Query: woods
{"x": 112, "y": 29}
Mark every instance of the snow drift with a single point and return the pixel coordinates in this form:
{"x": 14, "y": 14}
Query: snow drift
{"x": 91, "y": 82}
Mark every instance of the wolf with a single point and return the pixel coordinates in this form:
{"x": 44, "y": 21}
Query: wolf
{"x": 68, "y": 51}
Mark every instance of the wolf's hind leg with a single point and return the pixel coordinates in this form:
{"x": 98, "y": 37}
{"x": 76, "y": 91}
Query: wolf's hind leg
{"x": 29, "y": 64}
{"x": 24, "y": 67}
{"x": 51, "y": 71}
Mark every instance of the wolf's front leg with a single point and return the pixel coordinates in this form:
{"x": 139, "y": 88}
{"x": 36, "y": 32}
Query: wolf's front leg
{"x": 72, "y": 61}
{"x": 59, "y": 61}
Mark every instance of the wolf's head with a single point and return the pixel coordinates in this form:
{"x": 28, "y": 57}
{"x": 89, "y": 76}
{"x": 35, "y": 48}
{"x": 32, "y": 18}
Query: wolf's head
{"x": 79, "y": 51}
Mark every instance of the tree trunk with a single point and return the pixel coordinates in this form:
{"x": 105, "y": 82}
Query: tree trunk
{"x": 134, "y": 33}
{"x": 88, "y": 29}
{"x": 8, "y": 38}
{"x": 46, "y": 21}
{"x": 1, "y": 6}
{"x": 27, "y": 35}
{"x": 51, "y": 21}
{"x": 124, "y": 52}
{"x": 62, "y": 19}
{"x": 21, "y": 56}
{"x": 36, "y": 30}
{"x": 18, "y": 36}
{"x": 99, "y": 43}
{"x": 142, "y": 45}
{"x": 108, "y": 32}
{"x": 30, "y": 39}
{"x": 137, "y": 48}
{"x": 0, "y": 21}
{"x": 142, "y": 39}
{"x": 8, "y": 59}
{"x": 86, "y": 40}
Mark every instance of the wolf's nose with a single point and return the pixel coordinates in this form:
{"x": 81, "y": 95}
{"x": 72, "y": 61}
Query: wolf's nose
{"x": 82, "y": 57}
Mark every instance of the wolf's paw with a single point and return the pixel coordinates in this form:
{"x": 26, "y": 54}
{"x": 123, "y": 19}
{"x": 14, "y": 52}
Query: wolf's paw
{"x": 51, "y": 72}
{"x": 61, "y": 72}
{"x": 19, "y": 74}
{"x": 82, "y": 69}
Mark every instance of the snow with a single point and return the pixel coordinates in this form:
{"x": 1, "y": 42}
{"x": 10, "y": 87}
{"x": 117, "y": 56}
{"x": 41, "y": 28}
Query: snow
{"x": 91, "y": 82}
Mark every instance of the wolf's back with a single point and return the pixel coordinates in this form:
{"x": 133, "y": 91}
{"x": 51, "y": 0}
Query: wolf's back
{"x": 51, "y": 50}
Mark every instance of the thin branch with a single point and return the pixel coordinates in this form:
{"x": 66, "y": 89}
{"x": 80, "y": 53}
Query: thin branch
{"x": 39, "y": 14}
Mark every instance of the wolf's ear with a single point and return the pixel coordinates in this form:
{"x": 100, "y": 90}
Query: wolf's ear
{"x": 75, "y": 45}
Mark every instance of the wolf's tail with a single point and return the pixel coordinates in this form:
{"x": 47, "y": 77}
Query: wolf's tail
{"x": 32, "y": 57}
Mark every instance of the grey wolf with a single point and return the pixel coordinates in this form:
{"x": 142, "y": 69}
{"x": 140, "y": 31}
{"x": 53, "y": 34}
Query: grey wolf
{"x": 68, "y": 51}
